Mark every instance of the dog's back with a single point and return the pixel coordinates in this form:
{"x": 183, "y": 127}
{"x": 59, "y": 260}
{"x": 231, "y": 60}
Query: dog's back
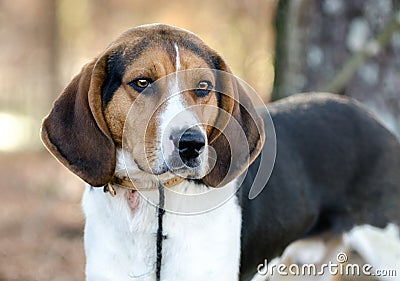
{"x": 337, "y": 166}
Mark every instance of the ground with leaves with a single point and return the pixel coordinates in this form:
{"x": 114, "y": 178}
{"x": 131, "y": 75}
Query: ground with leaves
{"x": 41, "y": 222}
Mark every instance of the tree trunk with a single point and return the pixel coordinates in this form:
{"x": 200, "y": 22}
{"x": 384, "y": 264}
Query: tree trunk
{"x": 345, "y": 47}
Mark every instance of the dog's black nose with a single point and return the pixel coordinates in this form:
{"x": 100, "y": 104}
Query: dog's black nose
{"x": 189, "y": 144}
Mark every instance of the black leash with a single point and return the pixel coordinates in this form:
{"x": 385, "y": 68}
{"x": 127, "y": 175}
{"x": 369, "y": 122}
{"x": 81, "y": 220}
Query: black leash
{"x": 160, "y": 235}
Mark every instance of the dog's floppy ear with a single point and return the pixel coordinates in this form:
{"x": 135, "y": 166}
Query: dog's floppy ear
{"x": 239, "y": 135}
{"x": 75, "y": 131}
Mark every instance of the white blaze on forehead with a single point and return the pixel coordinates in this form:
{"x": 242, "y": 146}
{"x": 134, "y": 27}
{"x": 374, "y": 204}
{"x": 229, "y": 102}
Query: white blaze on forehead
{"x": 177, "y": 59}
{"x": 173, "y": 84}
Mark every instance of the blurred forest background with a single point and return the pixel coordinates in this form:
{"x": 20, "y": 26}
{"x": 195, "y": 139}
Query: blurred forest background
{"x": 346, "y": 47}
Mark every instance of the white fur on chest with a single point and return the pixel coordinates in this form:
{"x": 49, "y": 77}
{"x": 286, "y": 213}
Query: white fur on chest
{"x": 121, "y": 244}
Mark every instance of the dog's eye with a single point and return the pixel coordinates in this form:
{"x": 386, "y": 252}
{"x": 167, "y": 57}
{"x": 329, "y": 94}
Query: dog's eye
{"x": 140, "y": 84}
{"x": 203, "y": 88}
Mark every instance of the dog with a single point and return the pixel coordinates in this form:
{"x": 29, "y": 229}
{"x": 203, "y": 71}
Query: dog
{"x": 114, "y": 126}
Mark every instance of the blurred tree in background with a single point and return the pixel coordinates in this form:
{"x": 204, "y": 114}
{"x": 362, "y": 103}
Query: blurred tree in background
{"x": 345, "y": 47}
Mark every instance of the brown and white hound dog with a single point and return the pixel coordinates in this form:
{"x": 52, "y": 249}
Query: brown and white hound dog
{"x": 159, "y": 107}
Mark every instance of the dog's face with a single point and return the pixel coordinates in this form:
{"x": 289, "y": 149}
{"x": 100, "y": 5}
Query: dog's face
{"x": 162, "y": 96}
{"x": 160, "y": 107}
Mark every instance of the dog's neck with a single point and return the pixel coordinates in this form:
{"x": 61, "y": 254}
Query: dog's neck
{"x": 121, "y": 242}
{"x": 126, "y": 183}
{"x": 200, "y": 224}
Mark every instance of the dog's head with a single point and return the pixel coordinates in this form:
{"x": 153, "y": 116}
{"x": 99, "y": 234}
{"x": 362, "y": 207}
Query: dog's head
{"x": 163, "y": 97}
